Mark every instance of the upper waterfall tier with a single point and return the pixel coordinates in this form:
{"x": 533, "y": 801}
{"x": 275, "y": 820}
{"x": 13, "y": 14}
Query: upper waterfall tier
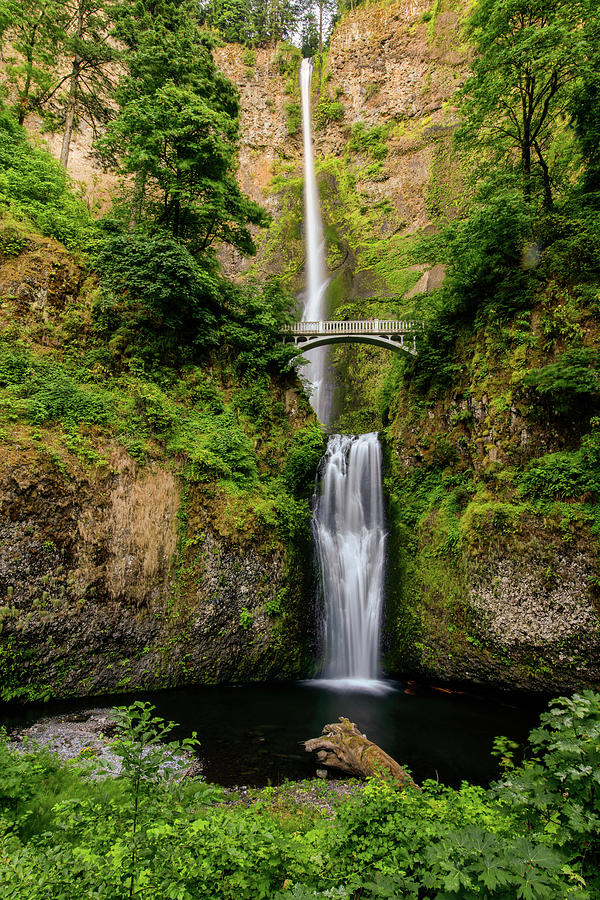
{"x": 316, "y": 274}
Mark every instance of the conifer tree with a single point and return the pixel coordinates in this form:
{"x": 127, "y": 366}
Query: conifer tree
{"x": 176, "y": 134}
{"x": 34, "y": 31}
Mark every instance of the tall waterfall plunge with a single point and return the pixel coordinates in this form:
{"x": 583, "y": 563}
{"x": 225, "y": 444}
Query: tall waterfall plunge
{"x": 348, "y": 520}
{"x": 316, "y": 281}
{"x": 349, "y": 530}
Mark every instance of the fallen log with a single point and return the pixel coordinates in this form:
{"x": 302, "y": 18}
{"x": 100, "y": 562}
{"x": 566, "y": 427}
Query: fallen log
{"x": 342, "y": 746}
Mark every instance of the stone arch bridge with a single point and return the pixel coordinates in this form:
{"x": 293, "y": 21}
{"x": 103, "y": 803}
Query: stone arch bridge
{"x": 396, "y": 335}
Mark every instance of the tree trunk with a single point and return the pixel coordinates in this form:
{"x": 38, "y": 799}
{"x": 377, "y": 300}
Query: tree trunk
{"x": 321, "y": 28}
{"x": 548, "y": 203}
{"x": 526, "y": 166}
{"x": 72, "y": 98}
{"x": 24, "y": 99}
{"x": 342, "y": 746}
{"x": 139, "y": 189}
{"x": 70, "y": 113}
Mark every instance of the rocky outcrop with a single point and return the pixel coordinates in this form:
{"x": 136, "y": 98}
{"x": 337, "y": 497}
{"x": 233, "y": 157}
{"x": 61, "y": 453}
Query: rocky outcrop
{"x": 103, "y": 589}
{"x": 494, "y": 585}
{"x": 37, "y": 273}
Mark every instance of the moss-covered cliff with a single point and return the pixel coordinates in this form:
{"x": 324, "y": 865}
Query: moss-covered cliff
{"x": 494, "y": 517}
{"x": 153, "y": 532}
{"x": 493, "y": 567}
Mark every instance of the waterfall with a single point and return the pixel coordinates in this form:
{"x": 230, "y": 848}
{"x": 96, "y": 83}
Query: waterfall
{"x": 348, "y": 520}
{"x": 316, "y": 282}
{"x": 349, "y": 530}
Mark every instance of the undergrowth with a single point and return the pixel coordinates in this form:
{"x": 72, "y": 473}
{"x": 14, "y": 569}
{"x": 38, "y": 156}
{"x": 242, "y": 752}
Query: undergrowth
{"x": 533, "y": 835}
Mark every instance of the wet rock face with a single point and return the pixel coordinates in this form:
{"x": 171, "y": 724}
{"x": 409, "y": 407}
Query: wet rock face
{"x": 43, "y": 278}
{"x": 100, "y": 592}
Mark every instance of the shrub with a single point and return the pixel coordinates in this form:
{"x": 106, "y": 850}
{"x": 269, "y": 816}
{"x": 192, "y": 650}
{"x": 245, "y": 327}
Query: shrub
{"x": 328, "y": 111}
{"x": 370, "y": 140}
{"x": 293, "y": 117}
{"x": 42, "y": 391}
{"x": 35, "y": 188}
{"x": 303, "y": 460}
{"x": 567, "y": 474}
{"x": 569, "y": 385}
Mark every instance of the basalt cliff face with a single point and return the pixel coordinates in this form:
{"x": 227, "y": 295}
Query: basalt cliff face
{"x": 118, "y": 569}
{"x": 105, "y": 590}
{"x": 483, "y": 585}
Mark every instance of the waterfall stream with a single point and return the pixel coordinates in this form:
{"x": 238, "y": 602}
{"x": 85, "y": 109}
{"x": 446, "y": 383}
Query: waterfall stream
{"x": 348, "y": 519}
{"x": 314, "y": 309}
{"x": 349, "y": 530}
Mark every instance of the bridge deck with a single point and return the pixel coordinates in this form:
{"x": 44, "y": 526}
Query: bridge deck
{"x": 388, "y": 333}
{"x": 357, "y": 326}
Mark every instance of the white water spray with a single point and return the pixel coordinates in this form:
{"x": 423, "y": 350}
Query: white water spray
{"x": 316, "y": 275}
{"x": 349, "y": 529}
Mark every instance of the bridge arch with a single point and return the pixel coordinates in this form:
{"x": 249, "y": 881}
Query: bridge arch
{"x": 392, "y": 334}
{"x": 376, "y": 340}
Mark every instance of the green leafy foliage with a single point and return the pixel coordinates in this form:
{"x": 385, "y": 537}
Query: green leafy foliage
{"x": 250, "y": 330}
{"x": 483, "y": 253}
{"x": 570, "y": 385}
{"x": 527, "y": 57}
{"x": 35, "y": 32}
{"x": 568, "y": 474}
{"x": 157, "y": 296}
{"x": 253, "y": 22}
{"x": 533, "y": 835}
{"x": 44, "y": 392}
{"x": 36, "y": 190}
{"x": 302, "y": 463}
{"x": 370, "y": 140}
{"x": 293, "y": 115}
{"x": 328, "y": 110}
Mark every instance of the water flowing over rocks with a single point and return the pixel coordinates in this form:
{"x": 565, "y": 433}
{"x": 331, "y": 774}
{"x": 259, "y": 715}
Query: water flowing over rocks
{"x": 349, "y": 531}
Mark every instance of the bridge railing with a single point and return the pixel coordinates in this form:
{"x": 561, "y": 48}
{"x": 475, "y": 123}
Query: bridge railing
{"x": 357, "y": 326}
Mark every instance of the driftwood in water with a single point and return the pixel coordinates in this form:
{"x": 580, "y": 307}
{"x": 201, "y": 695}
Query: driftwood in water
{"x": 342, "y": 746}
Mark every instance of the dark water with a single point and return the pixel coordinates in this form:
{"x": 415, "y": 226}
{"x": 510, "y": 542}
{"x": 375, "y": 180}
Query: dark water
{"x": 252, "y": 734}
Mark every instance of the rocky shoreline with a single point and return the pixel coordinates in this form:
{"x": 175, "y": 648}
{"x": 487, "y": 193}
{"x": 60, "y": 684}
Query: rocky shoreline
{"x": 87, "y": 735}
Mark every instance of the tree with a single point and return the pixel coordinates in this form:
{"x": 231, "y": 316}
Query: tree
{"x": 317, "y": 22}
{"x": 586, "y": 118}
{"x": 176, "y": 132}
{"x": 233, "y": 19}
{"x": 529, "y": 55}
{"x": 88, "y": 81}
{"x": 255, "y": 22}
{"x": 310, "y": 35}
{"x": 35, "y": 32}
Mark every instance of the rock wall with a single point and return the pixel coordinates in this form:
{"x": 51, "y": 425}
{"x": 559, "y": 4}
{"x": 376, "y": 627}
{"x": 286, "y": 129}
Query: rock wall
{"x": 118, "y": 574}
{"x": 123, "y": 580}
{"x": 487, "y": 584}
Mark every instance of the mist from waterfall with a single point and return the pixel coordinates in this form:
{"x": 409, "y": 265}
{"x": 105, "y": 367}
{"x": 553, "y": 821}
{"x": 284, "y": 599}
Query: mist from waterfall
{"x": 314, "y": 309}
{"x": 350, "y": 537}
